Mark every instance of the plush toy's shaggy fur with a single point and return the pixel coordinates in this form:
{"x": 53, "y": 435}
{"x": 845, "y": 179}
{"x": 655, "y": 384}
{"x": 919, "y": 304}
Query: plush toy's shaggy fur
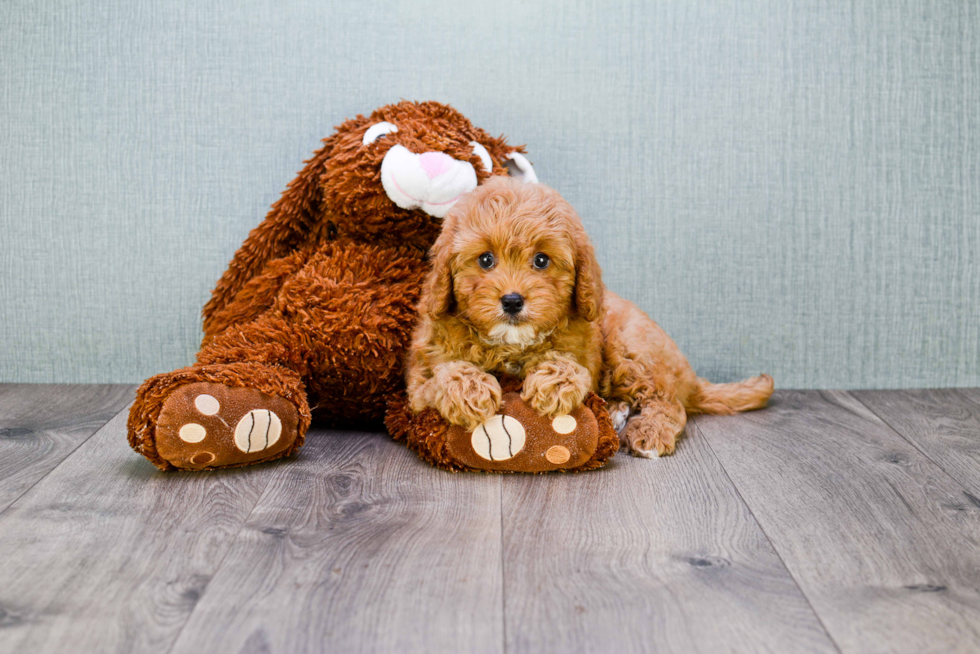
{"x": 318, "y": 305}
{"x": 508, "y": 242}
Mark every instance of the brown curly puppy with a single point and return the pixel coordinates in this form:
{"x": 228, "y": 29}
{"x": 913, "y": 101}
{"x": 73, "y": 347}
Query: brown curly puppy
{"x": 515, "y": 288}
{"x": 317, "y": 307}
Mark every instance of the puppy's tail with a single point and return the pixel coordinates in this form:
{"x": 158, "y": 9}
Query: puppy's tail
{"x": 726, "y": 399}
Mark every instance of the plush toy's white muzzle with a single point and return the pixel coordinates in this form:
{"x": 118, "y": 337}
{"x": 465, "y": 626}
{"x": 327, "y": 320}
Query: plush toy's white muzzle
{"x": 431, "y": 181}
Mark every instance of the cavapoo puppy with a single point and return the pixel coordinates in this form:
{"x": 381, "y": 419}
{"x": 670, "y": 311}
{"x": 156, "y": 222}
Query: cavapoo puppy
{"x": 515, "y": 288}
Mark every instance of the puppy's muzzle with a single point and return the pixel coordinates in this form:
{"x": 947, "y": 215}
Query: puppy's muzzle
{"x": 512, "y": 303}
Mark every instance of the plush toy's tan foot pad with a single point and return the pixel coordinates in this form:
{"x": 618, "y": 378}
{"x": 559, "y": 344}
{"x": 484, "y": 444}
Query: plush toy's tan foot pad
{"x": 519, "y": 440}
{"x": 205, "y": 425}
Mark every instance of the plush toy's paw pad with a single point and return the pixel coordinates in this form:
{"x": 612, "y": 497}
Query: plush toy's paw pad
{"x": 499, "y": 438}
{"x": 207, "y": 425}
{"x": 518, "y": 439}
{"x": 258, "y": 430}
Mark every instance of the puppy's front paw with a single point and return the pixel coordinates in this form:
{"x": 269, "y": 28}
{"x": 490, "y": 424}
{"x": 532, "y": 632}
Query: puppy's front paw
{"x": 556, "y": 387}
{"x": 466, "y": 396}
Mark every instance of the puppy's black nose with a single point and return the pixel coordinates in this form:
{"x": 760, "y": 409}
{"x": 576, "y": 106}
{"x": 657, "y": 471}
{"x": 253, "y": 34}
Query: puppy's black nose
{"x": 512, "y": 303}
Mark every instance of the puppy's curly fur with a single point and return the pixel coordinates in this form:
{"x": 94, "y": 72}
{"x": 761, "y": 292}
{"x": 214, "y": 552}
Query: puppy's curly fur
{"x": 570, "y": 337}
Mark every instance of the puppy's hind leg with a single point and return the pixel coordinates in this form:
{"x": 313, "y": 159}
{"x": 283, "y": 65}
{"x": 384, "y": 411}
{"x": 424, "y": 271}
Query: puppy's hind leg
{"x": 619, "y": 413}
{"x": 655, "y": 429}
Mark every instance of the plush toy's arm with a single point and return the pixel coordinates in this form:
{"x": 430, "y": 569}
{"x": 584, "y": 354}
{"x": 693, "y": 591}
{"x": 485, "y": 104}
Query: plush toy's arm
{"x": 257, "y": 295}
{"x": 287, "y": 226}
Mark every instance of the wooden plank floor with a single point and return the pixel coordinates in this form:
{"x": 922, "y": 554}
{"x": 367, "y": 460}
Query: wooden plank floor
{"x": 831, "y": 521}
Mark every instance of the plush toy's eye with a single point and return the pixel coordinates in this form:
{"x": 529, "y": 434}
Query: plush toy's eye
{"x": 486, "y": 260}
{"x": 481, "y": 152}
{"x": 376, "y": 131}
{"x": 541, "y": 261}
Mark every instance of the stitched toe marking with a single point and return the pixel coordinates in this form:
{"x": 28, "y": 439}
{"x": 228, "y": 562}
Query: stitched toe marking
{"x": 207, "y": 404}
{"x": 202, "y": 458}
{"x": 563, "y": 425}
{"x": 192, "y": 433}
{"x": 557, "y": 454}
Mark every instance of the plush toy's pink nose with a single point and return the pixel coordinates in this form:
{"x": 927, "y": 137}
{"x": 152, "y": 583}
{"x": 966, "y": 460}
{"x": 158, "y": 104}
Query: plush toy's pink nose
{"x": 435, "y": 163}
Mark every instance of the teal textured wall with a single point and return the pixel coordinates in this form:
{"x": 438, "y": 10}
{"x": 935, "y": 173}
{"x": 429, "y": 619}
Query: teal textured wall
{"x": 791, "y": 187}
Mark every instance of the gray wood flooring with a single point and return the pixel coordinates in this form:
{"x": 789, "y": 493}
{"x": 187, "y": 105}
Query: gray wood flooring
{"x": 831, "y": 521}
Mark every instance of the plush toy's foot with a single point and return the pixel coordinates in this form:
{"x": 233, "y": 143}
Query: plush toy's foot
{"x": 204, "y": 425}
{"x": 204, "y": 418}
{"x": 517, "y": 439}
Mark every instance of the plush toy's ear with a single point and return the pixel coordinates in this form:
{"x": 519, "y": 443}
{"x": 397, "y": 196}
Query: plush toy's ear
{"x": 437, "y": 292}
{"x": 520, "y": 168}
{"x": 288, "y": 225}
{"x": 588, "y": 278}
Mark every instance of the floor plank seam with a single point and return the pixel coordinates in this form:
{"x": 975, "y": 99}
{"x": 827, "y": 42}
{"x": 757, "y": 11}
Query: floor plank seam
{"x": 231, "y": 545}
{"x": 893, "y": 429}
{"x": 769, "y": 540}
{"x": 65, "y": 458}
{"x": 503, "y": 562}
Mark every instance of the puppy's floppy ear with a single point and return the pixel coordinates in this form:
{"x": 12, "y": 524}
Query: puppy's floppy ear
{"x": 588, "y": 278}
{"x": 437, "y": 292}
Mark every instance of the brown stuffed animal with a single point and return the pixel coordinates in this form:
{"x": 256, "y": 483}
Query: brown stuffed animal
{"x": 318, "y": 305}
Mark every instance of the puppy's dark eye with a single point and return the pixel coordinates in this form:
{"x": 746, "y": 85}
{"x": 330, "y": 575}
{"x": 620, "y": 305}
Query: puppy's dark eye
{"x": 541, "y": 261}
{"x": 486, "y": 260}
